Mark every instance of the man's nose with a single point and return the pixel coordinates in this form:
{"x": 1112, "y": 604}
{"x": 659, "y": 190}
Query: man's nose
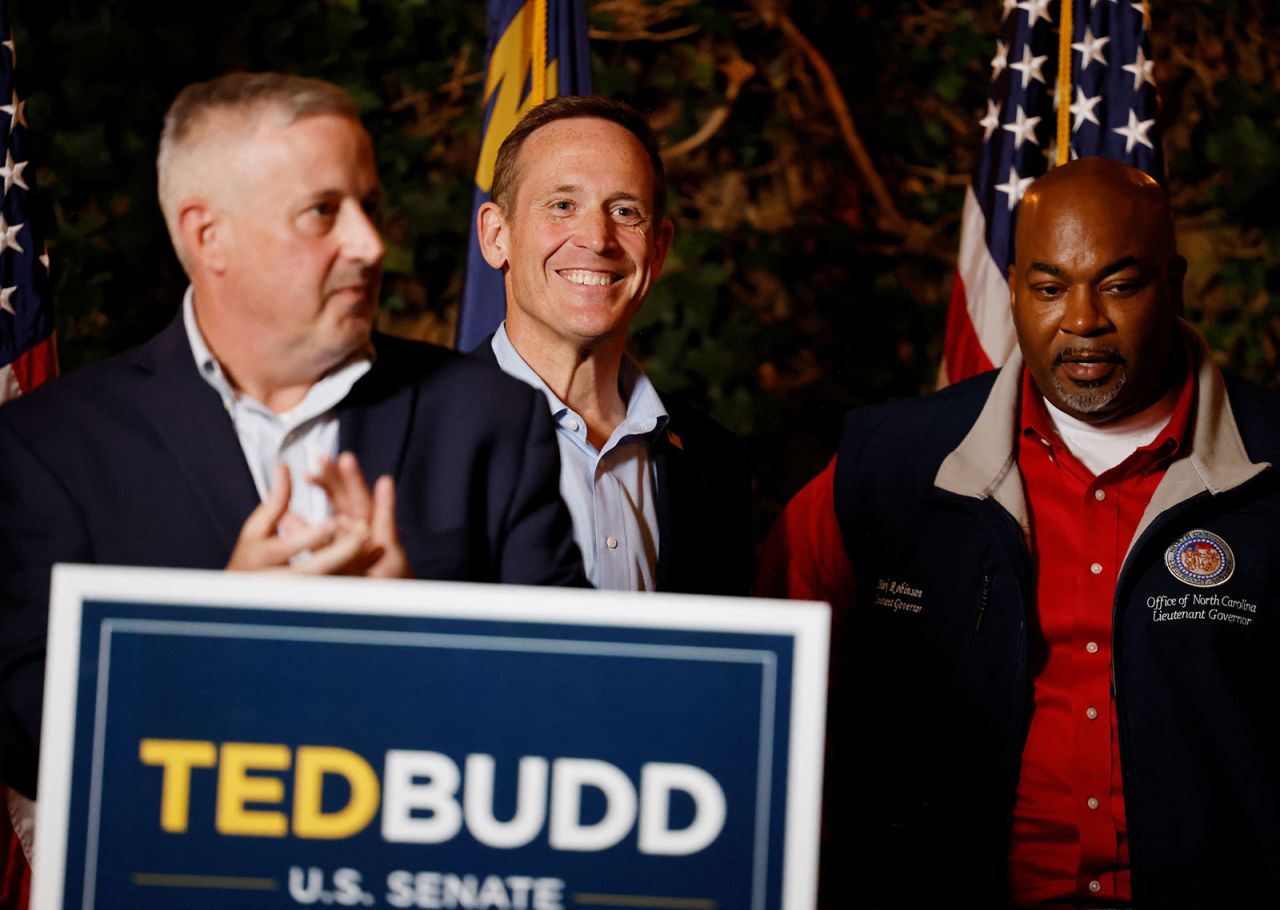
{"x": 597, "y": 232}
{"x": 1084, "y": 314}
{"x": 361, "y": 240}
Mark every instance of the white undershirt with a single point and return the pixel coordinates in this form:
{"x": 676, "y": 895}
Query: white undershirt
{"x": 1100, "y": 447}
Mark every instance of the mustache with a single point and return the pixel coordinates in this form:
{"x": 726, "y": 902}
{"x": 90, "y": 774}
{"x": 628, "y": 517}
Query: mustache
{"x": 1090, "y": 354}
{"x": 348, "y": 277}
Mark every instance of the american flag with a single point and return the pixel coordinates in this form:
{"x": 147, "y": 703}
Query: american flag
{"x": 1110, "y": 95}
{"x": 27, "y": 358}
{"x": 26, "y": 320}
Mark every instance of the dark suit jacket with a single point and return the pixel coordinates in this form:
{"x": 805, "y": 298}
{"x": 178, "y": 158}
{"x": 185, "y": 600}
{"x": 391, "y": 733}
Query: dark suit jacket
{"x": 134, "y": 461}
{"x": 704, "y": 502}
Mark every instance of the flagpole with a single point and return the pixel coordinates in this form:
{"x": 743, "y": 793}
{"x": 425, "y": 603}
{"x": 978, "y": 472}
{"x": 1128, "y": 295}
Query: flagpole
{"x": 538, "y": 86}
{"x": 1066, "y": 27}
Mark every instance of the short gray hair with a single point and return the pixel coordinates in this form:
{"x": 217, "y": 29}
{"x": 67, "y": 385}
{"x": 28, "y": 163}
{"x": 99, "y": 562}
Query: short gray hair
{"x": 244, "y": 95}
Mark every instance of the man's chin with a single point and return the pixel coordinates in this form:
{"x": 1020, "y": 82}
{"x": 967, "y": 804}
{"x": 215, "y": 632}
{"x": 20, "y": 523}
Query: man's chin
{"x": 1091, "y": 404}
{"x": 355, "y": 338}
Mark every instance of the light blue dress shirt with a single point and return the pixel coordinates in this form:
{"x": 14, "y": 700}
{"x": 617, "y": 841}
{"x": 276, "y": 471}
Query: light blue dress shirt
{"x": 611, "y": 493}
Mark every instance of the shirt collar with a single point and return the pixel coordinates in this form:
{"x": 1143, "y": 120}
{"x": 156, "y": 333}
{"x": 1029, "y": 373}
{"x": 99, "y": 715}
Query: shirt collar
{"x": 207, "y": 365}
{"x": 646, "y": 415}
{"x": 513, "y": 364}
{"x": 1034, "y": 419}
{"x": 323, "y": 395}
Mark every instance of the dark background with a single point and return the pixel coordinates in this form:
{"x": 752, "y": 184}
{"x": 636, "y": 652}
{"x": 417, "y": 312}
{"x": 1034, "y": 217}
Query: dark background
{"x": 793, "y": 292}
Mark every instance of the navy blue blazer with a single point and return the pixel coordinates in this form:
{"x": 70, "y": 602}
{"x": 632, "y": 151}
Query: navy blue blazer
{"x": 704, "y": 502}
{"x": 134, "y": 461}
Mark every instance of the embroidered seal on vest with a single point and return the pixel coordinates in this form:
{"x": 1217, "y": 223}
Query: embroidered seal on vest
{"x": 1200, "y": 558}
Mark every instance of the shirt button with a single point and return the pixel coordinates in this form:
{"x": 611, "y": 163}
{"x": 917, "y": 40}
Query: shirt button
{"x": 1093, "y": 803}
{"x": 1096, "y": 568}
{"x": 572, "y": 424}
{"x": 1095, "y": 886}
{"x": 1099, "y": 495}
{"x": 611, "y": 543}
{"x": 1092, "y": 647}
{"x": 1091, "y": 713}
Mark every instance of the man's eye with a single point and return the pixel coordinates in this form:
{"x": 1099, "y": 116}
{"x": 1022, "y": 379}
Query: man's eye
{"x": 627, "y": 214}
{"x": 1049, "y": 291}
{"x": 319, "y": 218}
{"x": 562, "y": 206}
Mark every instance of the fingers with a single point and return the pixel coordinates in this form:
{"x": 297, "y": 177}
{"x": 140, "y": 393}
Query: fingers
{"x": 343, "y": 483}
{"x": 262, "y": 521}
{"x": 360, "y": 539}
{"x": 382, "y": 522}
{"x": 349, "y": 553}
{"x": 385, "y": 533}
{"x": 291, "y": 523}
{"x": 258, "y": 547}
{"x": 254, "y": 554}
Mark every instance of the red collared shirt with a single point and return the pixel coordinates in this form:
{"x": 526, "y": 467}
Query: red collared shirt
{"x": 1070, "y": 841}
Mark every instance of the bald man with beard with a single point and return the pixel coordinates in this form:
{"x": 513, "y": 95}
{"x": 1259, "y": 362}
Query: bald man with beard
{"x": 1055, "y": 586}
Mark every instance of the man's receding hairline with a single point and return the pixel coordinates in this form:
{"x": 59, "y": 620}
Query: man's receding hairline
{"x": 518, "y": 163}
{"x": 507, "y": 167}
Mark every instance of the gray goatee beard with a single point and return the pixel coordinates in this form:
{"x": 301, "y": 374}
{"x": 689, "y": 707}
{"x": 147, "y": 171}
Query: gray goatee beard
{"x": 1082, "y": 398}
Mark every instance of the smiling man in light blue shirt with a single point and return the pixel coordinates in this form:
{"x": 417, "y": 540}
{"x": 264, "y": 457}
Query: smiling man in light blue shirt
{"x": 577, "y": 225}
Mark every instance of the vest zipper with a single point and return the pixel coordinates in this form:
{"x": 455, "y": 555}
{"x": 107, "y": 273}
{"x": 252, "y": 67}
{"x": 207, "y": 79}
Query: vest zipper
{"x": 983, "y": 599}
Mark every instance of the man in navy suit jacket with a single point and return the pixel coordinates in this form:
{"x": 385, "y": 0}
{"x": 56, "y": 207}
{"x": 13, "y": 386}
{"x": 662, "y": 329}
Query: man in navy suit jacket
{"x": 658, "y": 494}
{"x": 268, "y": 427}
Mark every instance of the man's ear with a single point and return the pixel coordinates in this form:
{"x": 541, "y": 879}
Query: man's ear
{"x": 661, "y": 246}
{"x": 494, "y": 235}
{"x": 202, "y": 235}
{"x": 1013, "y": 284}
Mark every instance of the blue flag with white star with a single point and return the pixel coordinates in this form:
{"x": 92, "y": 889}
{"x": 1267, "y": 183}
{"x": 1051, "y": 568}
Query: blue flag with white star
{"x": 1112, "y": 106}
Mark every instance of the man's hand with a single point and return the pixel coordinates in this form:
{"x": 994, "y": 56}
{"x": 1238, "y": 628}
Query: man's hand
{"x": 372, "y": 514}
{"x": 343, "y": 545}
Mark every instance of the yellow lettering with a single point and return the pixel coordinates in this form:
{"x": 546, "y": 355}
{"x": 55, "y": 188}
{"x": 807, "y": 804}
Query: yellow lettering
{"x": 309, "y": 819}
{"x": 177, "y": 757}
{"x": 236, "y": 788}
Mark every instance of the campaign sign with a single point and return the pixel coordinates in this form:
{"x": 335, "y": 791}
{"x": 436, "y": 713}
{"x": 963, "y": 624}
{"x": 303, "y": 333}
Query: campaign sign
{"x": 215, "y": 740}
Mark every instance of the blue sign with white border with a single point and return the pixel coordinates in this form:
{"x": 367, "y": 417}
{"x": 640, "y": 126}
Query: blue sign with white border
{"x": 282, "y": 742}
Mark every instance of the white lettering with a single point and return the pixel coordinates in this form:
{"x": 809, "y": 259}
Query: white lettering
{"x": 531, "y": 802}
{"x": 568, "y": 777}
{"x": 403, "y": 793}
{"x": 657, "y": 781}
{"x": 447, "y": 891}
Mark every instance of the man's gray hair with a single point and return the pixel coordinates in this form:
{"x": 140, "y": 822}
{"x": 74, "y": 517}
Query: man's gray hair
{"x": 243, "y": 96}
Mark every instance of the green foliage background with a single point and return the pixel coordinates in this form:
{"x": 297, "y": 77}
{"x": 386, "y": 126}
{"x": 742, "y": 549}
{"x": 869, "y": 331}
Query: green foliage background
{"x": 800, "y": 283}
